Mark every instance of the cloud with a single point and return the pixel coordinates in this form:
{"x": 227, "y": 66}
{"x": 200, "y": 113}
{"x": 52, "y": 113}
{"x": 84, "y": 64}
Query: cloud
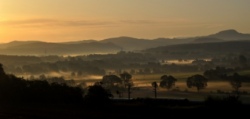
{"x": 170, "y": 21}
{"x": 84, "y": 23}
{"x": 54, "y": 23}
{"x": 139, "y": 21}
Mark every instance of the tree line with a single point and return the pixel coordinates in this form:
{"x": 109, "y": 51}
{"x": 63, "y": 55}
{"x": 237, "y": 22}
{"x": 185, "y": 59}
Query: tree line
{"x": 55, "y": 90}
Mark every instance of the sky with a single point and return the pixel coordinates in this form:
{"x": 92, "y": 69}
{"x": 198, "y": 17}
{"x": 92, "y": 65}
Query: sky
{"x": 72, "y": 20}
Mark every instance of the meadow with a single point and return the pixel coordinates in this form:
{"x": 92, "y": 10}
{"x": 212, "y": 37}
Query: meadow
{"x": 143, "y": 89}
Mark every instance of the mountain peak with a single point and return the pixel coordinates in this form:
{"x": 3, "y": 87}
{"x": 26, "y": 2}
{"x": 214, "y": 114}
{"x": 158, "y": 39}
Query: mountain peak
{"x": 230, "y": 34}
{"x": 229, "y": 31}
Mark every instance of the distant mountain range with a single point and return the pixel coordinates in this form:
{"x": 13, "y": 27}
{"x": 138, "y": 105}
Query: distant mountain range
{"x": 230, "y": 34}
{"x": 113, "y": 45}
{"x": 45, "y": 48}
{"x": 214, "y": 47}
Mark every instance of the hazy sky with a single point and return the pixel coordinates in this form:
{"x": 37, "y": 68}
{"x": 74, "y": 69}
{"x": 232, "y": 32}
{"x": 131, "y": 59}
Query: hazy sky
{"x": 71, "y": 20}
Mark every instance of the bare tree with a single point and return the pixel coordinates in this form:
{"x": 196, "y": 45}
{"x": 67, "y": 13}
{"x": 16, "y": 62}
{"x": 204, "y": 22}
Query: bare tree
{"x": 155, "y": 86}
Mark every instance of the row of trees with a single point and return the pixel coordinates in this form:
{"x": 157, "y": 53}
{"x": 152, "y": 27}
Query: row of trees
{"x": 118, "y": 84}
{"x": 138, "y": 63}
{"x": 124, "y": 82}
{"x": 198, "y": 81}
{"x": 18, "y": 89}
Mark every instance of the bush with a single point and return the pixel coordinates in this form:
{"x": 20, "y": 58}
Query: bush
{"x": 228, "y": 101}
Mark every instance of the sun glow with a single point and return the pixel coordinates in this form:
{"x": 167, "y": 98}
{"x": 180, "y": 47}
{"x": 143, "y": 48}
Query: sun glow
{"x": 64, "y": 20}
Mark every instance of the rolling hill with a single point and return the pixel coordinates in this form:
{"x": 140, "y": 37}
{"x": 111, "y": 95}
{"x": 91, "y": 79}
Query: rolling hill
{"x": 230, "y": 34}
{"x": 211, "y": 48}
{"x": 44, "y": 48}
{"x": 207, "y": 40}
{"x": 113, "y": 45}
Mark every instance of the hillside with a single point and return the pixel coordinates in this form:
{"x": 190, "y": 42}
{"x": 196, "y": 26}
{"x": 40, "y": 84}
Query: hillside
{"x": 230, "y": 34}
{"x": 130, "y": 44}
{"x": 207, "y": 40}
{"x": 44, "y": 48}
{"x": 203, "y": 49}
{"x": 113, "y": 45}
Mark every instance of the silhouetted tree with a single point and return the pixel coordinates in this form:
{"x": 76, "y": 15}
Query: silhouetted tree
{"x": 155, "y": 86}
{"x": 32, "y": 77}
{"x": 97, "y": 94}
{"x": 127, "y": 82}
{"x": 235, "y": 82}
{"x": 111, "y": 81}
{"x": 126, "y": 78}
{"x": 18, "y": 90}
{"x": 2, "y": 73}
{"x": 167, "y": 81}
{"x": 198, "y": 81}
{"x": 70, "y": 82}
{"x": 119, "y": 93}
{"x": 217, "y": 73}
{"x": 42, "y": 77}
{"x": 82, "y": 85}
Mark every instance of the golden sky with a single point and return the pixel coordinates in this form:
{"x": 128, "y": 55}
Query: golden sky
{"x": 71, "y": 20}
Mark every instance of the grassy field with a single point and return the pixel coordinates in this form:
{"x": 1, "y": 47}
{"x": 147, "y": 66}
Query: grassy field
{"x": 180, "y": 91}
{"x": 143, "y": 88}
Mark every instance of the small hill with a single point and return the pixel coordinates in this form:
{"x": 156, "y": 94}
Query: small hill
{"x": 78, "y": 42}
{"x": 207, "y": 40}
{"x": 17, "y": 43}
{"x": 131, "y": 44}
{"x": 45, "y": 48}
{"x": 205, "y": 49}
{"x": 112, "y": 45}
{"x": 230, "y": 34}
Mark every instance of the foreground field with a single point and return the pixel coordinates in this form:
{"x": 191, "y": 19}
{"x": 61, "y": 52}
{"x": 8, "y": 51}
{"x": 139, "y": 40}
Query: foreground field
{"x": 143, "y": 89}
{"x": 135, "y": 108}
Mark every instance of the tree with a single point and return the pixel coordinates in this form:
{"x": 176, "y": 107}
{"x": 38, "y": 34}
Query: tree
{"x": 235, "y": 82}
{"x": 198, "y": 81}
{"x": 2, "y": 73}
{"x": 111, "y": 81}
{"x": 97, "y": 94}
{"x": 119, "y": 93}
{"x": 42, "y": 77}
{"x": 127, "y": 82}
{"x": 71, "y": 82}
{"x": 217, "y": 73}
{"x": 155, "y": 85}
{"x": 167, "y": 81}
{"x": 126, "y": 78}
